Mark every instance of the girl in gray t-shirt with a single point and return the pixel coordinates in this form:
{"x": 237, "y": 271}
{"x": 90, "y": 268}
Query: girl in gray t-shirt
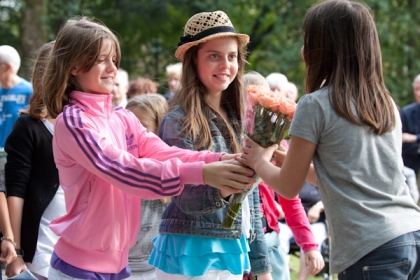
{"x": 149, "y": 108}
{"x": 349, "y": 126}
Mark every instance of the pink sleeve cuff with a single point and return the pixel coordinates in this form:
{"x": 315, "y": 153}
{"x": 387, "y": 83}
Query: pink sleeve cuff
{"x": 191, "y": 173}
{"x": 212, "y": 157}
{"x": 312, "y": 247}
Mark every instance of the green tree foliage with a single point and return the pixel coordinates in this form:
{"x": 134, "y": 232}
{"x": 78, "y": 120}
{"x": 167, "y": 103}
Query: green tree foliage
{"x": 398, "y": 26}
{"x": 149, "y": 31}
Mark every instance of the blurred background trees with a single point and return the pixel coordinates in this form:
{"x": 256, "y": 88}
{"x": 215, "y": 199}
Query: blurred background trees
{"x": 149, "y": 31}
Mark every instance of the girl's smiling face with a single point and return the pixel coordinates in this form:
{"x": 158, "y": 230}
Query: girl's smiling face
{"x": 100, "y": 78}
{"x": 217, "y": 63}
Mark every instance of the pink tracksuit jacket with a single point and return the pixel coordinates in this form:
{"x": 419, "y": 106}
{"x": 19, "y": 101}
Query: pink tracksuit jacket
{"x": 107, "y": 162}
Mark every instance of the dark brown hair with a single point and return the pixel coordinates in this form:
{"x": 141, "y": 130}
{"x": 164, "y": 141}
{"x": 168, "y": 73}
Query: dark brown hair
{"x": 341, "y": 45}
{"x": 79, "y": 42}
{"x": 37, "y": 108}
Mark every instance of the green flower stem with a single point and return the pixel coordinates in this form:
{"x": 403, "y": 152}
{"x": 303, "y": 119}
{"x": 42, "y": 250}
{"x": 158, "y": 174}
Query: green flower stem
{"x": 236, "y": 204}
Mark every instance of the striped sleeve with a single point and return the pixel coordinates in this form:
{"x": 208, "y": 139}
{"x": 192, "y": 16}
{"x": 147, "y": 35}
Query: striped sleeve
{"x": 79, "y": 147}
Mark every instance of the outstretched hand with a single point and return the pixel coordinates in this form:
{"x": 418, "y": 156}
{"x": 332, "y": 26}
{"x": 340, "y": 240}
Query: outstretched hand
{"x": 228, "y": 175}
{"x": 227, "y": 156}
{"x": 253, "y": 154}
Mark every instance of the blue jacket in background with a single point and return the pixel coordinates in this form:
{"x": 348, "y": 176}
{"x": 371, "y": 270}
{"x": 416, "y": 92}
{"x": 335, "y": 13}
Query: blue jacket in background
{"x": 12, "y": 100}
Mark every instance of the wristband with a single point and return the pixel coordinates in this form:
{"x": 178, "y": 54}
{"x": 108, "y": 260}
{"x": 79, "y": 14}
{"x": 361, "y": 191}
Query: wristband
{"x": 19, "y": 252}
{"x": 8, "y": 239}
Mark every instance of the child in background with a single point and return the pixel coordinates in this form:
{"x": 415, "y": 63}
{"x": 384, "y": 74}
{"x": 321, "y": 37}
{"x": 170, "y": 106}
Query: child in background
{"x": 314, "y": 211}
{"x": 149, "y": 108}
{"x": 293, "y": 211}
{"x": 206, "y": 115}
{"x": 173, "y": 74}
{"x": 349, "y": 126}
{"x": 106, "y": 159}
{"x": 34, "y": 194}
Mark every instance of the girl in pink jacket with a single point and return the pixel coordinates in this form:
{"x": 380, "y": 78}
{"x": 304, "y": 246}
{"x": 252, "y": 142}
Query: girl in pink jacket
{"x": 107, "y": 160}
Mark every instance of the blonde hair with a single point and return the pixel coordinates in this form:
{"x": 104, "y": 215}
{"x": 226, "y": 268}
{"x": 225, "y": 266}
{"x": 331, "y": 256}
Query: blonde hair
{"x": 255, "y": 78}
{"x": 79, "y": 42}
{"x": 192, "y": 100}
{"x": 174, "y": 69}
{"x": 152, "y": 104}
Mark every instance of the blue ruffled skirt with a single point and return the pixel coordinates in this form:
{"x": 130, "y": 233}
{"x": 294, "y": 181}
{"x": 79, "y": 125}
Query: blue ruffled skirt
{"x": 195, "y": 255}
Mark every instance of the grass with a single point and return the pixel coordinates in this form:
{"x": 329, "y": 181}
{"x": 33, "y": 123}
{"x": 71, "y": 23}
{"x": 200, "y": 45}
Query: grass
{"x": 294, "y": 264}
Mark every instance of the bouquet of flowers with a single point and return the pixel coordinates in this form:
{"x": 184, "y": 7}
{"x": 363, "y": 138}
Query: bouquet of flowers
{"x": 267, "y": 117}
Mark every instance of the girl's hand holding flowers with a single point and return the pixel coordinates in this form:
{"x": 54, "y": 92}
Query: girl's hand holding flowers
{"x": 254, "y": 155}
{"x": 267, "y": 118}
{"x": 235, "y": 177}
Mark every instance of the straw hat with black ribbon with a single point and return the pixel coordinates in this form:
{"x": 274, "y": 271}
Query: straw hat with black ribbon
{"x": 202, "y": 27}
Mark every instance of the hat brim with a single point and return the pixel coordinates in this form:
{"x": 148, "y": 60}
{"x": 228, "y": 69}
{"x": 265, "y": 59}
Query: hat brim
{"x": 242, "y": 38}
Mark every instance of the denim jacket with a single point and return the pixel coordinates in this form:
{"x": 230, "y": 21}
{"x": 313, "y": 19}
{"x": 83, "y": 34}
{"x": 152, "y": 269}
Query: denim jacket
{"x": 199, "y": 209}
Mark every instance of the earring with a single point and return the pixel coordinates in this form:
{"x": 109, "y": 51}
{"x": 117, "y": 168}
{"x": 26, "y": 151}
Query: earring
{"x": 322, "y": 84}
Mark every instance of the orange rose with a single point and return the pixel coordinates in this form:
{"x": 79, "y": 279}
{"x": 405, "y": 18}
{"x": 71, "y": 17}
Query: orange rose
{"x": 252, "y": 96}
{"x": 269, "y": 100}
{"x": 287, "y": 106}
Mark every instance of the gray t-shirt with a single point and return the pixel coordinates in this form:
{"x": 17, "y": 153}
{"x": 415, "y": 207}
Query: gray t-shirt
{"x": 359, "y": 174}
{"x": 151, "y": 214}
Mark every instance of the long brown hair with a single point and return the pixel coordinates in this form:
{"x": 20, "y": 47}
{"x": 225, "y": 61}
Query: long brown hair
{"x": 341, "y": 45}
{"x": 192, "y": 100}
{"x": 78, "y": 42}
{"x": 36, "y": 104}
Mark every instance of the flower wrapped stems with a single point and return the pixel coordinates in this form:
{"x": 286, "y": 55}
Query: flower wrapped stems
{"x": 236, "y": 204}
{"x": 267, "y": 118}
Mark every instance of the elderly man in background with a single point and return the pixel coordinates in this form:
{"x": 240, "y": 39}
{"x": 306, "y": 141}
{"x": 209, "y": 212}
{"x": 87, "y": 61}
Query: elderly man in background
{"x": 410, "y": 117}
{"x": 14, "y": 91}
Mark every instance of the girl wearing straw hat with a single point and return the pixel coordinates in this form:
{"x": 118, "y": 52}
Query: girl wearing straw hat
{"x": 206, "y": 115}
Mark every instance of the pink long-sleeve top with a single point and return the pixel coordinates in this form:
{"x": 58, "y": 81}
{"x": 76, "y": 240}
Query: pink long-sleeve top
{"x": 294, "y": 213}
{"x": 107, "y": 162}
